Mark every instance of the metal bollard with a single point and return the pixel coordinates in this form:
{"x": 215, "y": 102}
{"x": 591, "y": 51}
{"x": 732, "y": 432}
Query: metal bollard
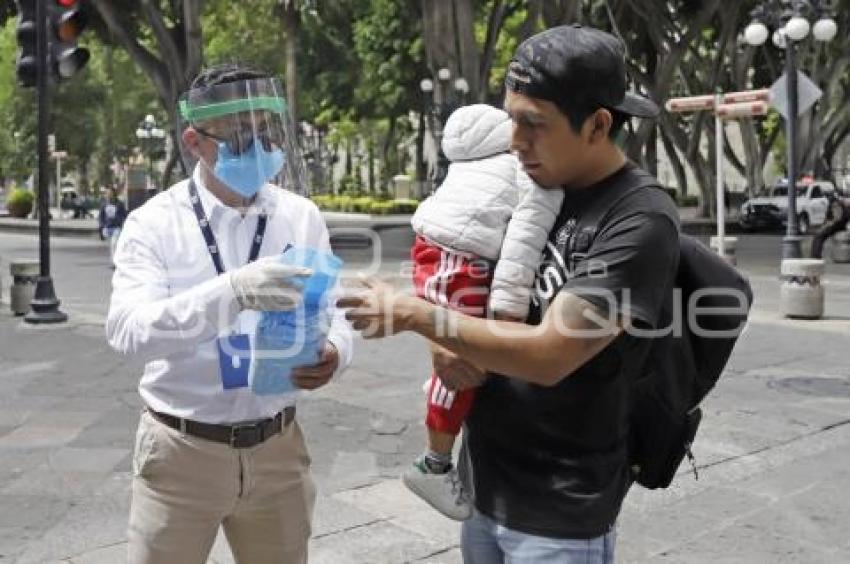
{"x": 24, "y": 276}
{"x": 841, "y": 247}
{"x": 730, "y": 246}
{"x": 801, "y": 294}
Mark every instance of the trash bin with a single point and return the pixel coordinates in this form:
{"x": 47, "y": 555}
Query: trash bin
{"x": 841, "y": 247}
{"x": 730, "y": 246}
{"x": 24, "y": 276}
{"x": 801, "y": 294}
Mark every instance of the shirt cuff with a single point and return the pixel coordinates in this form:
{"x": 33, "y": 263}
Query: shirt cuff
{"x": 343, "y": 349}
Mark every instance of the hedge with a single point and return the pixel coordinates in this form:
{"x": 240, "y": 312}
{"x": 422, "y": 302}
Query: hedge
{"x": 20, "y": 202}
{"x": 365, "y": 204}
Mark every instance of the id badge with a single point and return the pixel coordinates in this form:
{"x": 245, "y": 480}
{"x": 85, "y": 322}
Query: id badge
{"x": 234, "y": 360}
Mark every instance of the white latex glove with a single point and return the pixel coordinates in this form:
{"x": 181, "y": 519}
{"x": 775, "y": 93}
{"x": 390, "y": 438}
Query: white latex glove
{"x": 268, "y": 285}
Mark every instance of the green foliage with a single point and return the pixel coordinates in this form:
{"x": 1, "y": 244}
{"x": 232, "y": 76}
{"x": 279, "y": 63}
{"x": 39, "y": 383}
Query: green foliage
{"x": 365, "y": 204}
{"x": 19, "y": 202}
{"x": 251, "y": 35}
{"x": 388, "y": 43}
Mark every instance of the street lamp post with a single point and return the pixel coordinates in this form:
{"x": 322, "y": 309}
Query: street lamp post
{"x": 441, "y": 98}
{"x": 790, "y": 20}
{"x": 147, "y": 133}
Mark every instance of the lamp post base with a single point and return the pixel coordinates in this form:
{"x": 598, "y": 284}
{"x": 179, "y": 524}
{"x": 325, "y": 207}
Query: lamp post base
{"x": 45, "y": 306}
{"x": 792, "y": 247}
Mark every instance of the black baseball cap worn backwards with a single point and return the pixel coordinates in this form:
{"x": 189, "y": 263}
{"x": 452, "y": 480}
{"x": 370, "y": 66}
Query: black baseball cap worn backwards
{"x": 575, "y": 64}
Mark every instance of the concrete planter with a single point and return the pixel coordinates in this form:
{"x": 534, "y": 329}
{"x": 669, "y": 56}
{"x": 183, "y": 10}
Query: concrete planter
{"x": 24, "y": 276}
{"x": 801, "y": 295}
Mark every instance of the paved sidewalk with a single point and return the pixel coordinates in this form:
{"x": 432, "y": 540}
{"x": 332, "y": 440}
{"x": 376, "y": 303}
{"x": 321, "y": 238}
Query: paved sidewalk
{"x": 774, "y": 451}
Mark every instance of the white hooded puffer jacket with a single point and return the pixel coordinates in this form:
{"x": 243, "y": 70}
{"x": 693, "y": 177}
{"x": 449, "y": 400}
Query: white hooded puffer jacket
{"x": 473, "y": 209}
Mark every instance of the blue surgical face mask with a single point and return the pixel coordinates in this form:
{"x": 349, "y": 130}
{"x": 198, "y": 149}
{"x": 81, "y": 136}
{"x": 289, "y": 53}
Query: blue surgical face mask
{"x": 246, "y": 172}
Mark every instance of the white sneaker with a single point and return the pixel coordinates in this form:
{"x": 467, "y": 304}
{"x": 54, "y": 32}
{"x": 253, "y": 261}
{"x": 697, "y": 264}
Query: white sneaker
{"x": 443, "y": 492}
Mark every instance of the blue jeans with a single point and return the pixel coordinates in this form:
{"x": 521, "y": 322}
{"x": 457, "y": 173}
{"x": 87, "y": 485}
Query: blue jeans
{"x": 484, "y": 541}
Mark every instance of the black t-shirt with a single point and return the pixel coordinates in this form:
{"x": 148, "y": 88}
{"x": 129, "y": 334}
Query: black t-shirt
{"x": 552, "y": 461}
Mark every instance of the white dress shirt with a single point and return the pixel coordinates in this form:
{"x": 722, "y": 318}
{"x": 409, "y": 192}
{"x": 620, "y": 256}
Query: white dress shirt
{"x": 169, "y": 305}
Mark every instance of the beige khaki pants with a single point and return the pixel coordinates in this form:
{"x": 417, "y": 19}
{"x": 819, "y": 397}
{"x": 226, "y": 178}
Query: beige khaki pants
{"x": 184, "y": 488}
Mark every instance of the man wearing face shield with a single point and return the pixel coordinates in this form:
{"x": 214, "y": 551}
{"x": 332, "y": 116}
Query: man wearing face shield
{"x": 194, "y": 267}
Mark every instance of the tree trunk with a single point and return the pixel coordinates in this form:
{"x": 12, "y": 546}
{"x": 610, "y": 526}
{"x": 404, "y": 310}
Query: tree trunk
{"x": 179, "y": 46}
{"x": 559, "y": 12}
{"x": 421, "y": 167}
{"x": 676, "y": 163}
{"x": 290, "y": 47}
{"x": 533, "y": 11}
{"x": 468, "y": 56}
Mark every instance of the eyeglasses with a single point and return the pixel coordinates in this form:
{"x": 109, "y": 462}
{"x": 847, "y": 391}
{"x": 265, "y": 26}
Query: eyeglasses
{"x": 242, "y": 139}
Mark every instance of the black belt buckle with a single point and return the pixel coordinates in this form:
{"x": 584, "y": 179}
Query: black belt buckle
{"x": 246, "y": 436}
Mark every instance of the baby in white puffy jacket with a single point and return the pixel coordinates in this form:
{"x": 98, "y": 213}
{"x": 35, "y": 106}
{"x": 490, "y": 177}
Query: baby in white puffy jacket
{"x": 479, "y": 242}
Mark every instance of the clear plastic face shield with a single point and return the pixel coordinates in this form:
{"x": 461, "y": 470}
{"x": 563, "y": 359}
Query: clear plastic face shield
{"x": 242, "y": 134}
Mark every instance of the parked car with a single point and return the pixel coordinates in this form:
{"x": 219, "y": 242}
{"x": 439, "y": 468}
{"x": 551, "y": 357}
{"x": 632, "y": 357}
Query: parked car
{"x": 771, "y": 209}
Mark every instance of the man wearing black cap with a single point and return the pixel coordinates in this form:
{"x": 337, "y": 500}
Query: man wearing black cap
{"x": 547, "y": 435}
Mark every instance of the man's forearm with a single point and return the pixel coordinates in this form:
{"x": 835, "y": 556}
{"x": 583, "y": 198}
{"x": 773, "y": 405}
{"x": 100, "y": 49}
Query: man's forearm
{"x": 513, "y": 349}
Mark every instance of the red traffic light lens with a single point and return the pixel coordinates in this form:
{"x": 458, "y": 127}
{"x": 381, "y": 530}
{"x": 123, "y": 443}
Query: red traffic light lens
{"x": 70, "y": 25}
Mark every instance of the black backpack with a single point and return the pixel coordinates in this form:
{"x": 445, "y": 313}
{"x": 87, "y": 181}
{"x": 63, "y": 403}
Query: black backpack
{"x": 712, "y": 299}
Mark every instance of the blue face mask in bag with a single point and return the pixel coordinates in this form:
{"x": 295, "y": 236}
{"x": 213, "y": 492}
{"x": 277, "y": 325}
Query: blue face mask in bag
{"x": 246, "y": 172}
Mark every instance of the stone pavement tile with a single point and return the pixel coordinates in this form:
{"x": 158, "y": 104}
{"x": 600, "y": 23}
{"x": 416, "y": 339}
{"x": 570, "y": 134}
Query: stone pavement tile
{"x": 93, "y": 522}
{"x": 665, "y": 525}
{"x": 352, "y": 470}
{"x": 684, "y": 521}
{"x": 332, "y": 516}
{"x": 744, "y": 543}
{"x": 13, "y": 540}
{"x": 14, "y": 462}
{"x": 372, "y": 356}
{"x": 48, "y": 429}
{"x": 66, "y": 483}
{"x": 379, "y": 393}
{"x": 451, "y": 556}
{"x": 114, "y": 428}
{"x": 15, "y": 376}
{"x": 377, "y": 543}
{"x": 106, "y": 555}
{"x": 86, "y": 459}
{"x": 392, "y": 501}
{"x": 23, "y": 520}
{"x": 636, "y": 548}
{"x": 385, "y": 500}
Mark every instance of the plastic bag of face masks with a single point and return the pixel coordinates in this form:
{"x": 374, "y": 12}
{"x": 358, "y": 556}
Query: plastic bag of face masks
{"x": 288, "y": 339}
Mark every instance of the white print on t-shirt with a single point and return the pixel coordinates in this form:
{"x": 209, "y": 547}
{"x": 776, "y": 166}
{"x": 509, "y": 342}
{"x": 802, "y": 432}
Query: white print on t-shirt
{"x": 552, "y": 276}
{"x": 553, "y": 272}
{"x": 110, "y": 211}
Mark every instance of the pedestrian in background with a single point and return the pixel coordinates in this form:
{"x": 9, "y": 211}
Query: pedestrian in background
{"x": 194, "y": 266}
{"x": 837, "y": 219}
{"x": 110, "y": 219}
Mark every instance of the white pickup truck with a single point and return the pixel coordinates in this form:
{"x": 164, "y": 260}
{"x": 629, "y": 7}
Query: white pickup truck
{"x": 771, "y": 210}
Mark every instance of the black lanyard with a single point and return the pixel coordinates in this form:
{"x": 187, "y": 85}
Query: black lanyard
{"x": 212, "y": 246}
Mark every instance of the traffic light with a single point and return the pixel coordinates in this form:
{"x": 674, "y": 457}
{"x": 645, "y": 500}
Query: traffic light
{"x": 27, "y": 62}
{"x": 67, "y": 22}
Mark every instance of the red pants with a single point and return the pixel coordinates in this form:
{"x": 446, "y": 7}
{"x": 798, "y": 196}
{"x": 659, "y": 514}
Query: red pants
{"x": 459, "y": 281}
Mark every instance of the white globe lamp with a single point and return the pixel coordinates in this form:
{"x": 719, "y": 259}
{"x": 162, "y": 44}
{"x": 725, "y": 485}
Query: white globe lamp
{"x": 756, "y": 34}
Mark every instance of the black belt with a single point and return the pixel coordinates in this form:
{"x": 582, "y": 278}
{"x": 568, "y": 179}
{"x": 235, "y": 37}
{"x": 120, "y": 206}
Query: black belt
{"x": 240, "y": 435}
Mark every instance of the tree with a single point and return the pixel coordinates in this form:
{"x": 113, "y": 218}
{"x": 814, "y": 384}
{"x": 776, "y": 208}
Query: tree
{"x": 165, "y": 41}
